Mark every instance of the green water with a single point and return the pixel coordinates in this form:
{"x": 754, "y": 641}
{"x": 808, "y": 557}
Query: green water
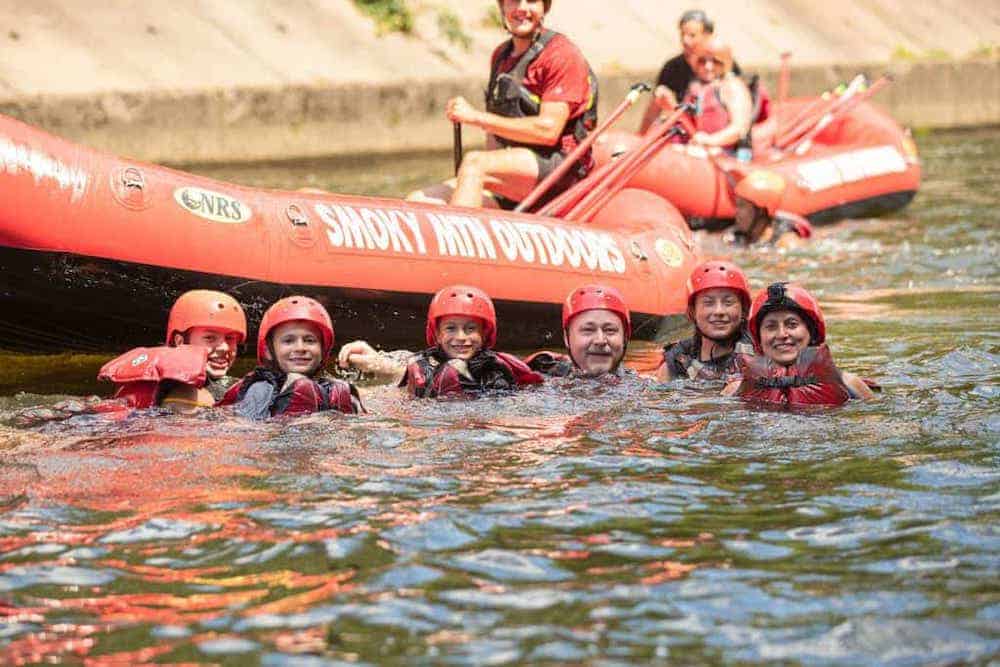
{"x": 579, "y": 524}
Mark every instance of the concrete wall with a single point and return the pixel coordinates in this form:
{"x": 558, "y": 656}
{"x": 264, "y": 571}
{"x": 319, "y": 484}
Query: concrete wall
{"x": 220, "y": 80}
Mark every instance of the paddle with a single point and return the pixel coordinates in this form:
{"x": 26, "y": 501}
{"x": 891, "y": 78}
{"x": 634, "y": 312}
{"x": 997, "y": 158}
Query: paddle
{"x": 640, "y": 153}
{"x": 808, "y": 122}
{"x": 457, "y": 145}
{"x": 634, "y": 92}
{"x": 802, "y": 146}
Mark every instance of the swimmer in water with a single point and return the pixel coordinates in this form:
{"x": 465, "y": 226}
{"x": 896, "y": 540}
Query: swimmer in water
{"x": 459, "y": 360}
{"x": 794, "y": 366}
{"x": 293, "y": 344}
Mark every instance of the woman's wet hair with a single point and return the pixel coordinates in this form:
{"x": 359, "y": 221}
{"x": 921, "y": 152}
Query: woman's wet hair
{"x": 699, "y": 16}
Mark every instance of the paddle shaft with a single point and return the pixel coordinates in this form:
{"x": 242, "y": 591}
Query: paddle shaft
{"x": 457, "y": 145}
{"x": 651, "y": 136}
{"x": 805, "y": 143}
{"x": 808, "y": 123}
{"x": 578, "y": 152}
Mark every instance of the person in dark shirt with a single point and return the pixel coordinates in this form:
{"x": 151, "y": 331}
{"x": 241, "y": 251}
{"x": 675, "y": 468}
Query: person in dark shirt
{"x": 672, "y": 83}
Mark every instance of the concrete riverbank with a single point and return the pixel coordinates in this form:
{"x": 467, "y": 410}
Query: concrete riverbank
{"x": 217, "y": 81}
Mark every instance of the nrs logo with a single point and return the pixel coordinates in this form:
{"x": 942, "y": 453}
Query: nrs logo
{"x": 212, "y": 206}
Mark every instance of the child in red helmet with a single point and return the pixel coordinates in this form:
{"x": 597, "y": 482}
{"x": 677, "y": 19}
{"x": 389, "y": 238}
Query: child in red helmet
{"x": 596, "y": 329}
{"x": 295, "y": 339}
{"x": 204, "y": 331}
{"x": 461, "y": 332}
{"x": 718, "y": 302}
{"x": 794, "y": 366}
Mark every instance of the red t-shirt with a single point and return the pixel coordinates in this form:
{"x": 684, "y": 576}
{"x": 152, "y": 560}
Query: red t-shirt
{"x": 559, "y": 74}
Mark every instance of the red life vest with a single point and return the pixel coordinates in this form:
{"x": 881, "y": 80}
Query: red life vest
{"x": 304, "y": 396}
{"x": 812, "y": 380}
{"x": 140, "y": 373}
{"x": 429, "y": 375}
{"x": 710, "y": 113}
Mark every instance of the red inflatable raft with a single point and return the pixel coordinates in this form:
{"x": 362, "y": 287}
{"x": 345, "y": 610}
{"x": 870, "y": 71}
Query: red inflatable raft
{"x": 860, "y": 164}
{"x": 94, "y": 248}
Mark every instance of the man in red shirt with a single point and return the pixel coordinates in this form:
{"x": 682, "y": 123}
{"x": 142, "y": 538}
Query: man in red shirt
{"x": 540, "y": 103}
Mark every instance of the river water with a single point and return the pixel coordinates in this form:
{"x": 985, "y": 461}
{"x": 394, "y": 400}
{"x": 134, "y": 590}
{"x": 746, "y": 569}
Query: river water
{"x": 580, "y": 523}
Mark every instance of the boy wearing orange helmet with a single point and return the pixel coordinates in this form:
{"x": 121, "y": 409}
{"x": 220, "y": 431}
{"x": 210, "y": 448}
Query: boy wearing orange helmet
{"x": 293, "y": 344}
{"x": 204, "y": 331}
{"x": 461, "y": 332}
{"x": 718, "y": 302}
{"x": 794, "y": 366}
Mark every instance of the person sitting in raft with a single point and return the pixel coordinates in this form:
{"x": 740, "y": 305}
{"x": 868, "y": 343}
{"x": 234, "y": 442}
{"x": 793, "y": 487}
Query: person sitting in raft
{"x": 677, "y": 73}
{"x": 293, "y": 344}
{"x": 718, "y": 297}
{"x": 759, "y": 220}
{"x": 541, "y": 102}
{"x": 597, "y": 327}
{"x": 723, "y": 109}
{"x": 460, "y": 360}
{"x": 794, "y": 366}
{"x": 204, "y": 331}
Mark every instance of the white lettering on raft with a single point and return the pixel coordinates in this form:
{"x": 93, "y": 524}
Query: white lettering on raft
{"x": 466, "y": 236}
{"x": 15, "y": 157}
{"x": 371, "y": 229}
{"x": 851, "y": 167}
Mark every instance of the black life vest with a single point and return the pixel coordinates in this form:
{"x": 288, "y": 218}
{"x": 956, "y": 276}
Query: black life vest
{"x": 506, "y": 95}
{"x": 430, "y": 374}
{"x": 813, "y": 380}
{"x": 305, "y": 395}
{"x": 552, "y": 364}
{"x": 683, "y": 359}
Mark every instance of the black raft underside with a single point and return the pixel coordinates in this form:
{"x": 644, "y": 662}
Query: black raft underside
{"x": 57, "y": 302}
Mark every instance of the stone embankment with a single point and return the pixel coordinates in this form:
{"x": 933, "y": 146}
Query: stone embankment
{"x": 221, "y": 81}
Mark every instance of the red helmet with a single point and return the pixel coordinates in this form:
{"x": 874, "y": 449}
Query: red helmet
{"x": 206, "y": 308}
{"x": 291, "y": 309}
{"x": 597, "y": 297}
{"x": 462, "y": 300}
{"x": 714, "y": 273}
{"x": 787, "y": 296}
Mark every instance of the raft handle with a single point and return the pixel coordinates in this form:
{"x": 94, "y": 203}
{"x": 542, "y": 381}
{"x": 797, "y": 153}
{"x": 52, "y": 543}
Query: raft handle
{"x": 296, "y": 216}
{"x": 133, "y": 178}
{"x": 637, "y": 252}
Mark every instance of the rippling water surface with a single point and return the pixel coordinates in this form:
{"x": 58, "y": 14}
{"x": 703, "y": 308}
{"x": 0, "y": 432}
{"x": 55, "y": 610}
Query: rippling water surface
{"x": 581, "y": 523}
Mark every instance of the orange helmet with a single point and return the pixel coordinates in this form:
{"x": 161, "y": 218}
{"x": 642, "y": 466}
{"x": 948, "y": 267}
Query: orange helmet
{"x": 597, "y": 297}
{"x": 206, "y": 308}
{"x": 291, "y": 309}
{"x": 715, "y": 273}
{"x": 763, "y": 189}
{"x": 787, "y": 296}
{"x": 462, "y": 300}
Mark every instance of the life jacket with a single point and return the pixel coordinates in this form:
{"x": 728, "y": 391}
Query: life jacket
{"x": 552, "y": 364}
{"x": 303, "y": 396}
{"x": 506, "y": 95}
{"x": 430, "y": 374}
{"x": 683, "y": 359}
{"x": 142, "y": 374}
{"x": 759, "y": 135}
{"x": 812, "y": 380}
{"x": 710, "y": 113}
